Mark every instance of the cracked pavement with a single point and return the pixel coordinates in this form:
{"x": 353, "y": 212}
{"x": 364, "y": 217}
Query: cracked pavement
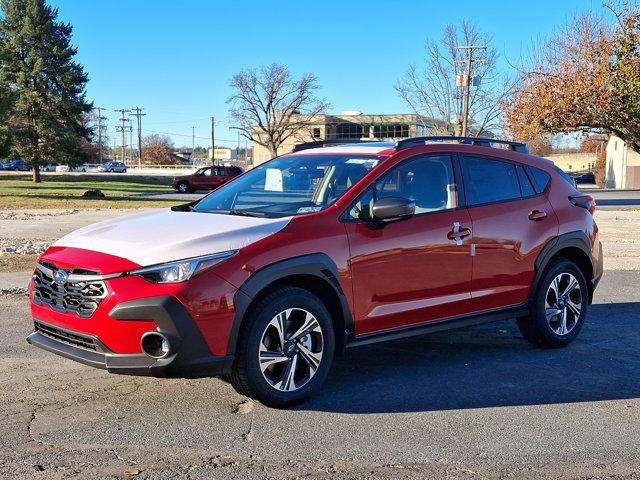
{"x": 471, "y": 403}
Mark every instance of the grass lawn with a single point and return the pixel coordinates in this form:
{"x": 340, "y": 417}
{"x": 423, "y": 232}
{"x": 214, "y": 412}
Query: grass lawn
{"x": 65, "y": 191}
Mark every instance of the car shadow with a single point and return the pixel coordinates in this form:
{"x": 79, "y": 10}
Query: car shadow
{"x": 489, "y": 366}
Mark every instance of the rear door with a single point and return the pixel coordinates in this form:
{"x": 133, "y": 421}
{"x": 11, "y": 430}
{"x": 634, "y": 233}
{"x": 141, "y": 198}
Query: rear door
{"x": 511, "y": 225}
{"x": 217, "y": 177}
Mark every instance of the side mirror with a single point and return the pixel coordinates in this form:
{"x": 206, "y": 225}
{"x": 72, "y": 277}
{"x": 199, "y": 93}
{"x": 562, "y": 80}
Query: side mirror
{"x": 391, "y": 209}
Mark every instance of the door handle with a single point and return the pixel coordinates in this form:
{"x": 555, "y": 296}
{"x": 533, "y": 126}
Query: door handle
{"x": 462, "y": 233}
{"x": 537, "y": 215}
{"x": 458, "y": 233}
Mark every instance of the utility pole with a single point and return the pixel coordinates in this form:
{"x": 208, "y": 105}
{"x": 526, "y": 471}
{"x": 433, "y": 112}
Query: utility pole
{"x": 122, "y": 129}
{"x": 131, "y": 145}
{"x": 100, "y": 127}
{"x": 467, "y": 83}
{"x": 213, "y": 141}
{"x": 138, "y": 114}
{"x": 193, "y": 140}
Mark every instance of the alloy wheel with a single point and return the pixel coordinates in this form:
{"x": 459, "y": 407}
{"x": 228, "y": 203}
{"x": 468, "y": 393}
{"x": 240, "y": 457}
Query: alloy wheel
{"x": 563, "y": 303}
{"x": 291, "y": 349}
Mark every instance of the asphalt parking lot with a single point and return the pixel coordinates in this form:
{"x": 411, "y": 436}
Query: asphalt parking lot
{"x": 474, "y": 403}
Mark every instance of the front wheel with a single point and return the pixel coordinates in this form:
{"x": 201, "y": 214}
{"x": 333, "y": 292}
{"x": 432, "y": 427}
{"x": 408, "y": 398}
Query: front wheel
{"x": 285, "y": 349}
{"x": 559, "y": 306}
{"x": 183, "y": 187}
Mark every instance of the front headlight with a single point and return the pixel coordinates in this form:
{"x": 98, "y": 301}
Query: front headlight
{"x": 182, "y": 270}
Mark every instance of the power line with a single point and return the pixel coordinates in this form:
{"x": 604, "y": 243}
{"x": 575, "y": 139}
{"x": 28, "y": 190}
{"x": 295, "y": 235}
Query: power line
{"x": 228, "y": 140}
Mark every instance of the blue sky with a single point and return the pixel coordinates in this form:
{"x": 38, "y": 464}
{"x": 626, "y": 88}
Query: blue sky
{"x": 175, "y": 58}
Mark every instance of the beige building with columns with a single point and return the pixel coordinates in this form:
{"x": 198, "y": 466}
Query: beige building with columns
{"x": 353, "y": 125}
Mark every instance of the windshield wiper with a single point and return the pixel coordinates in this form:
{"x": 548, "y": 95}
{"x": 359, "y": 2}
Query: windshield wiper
{"x": 245, "y": 213}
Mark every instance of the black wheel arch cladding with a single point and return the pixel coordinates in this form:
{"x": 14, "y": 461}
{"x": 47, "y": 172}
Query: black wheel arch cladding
{"x": 317, "y": 265}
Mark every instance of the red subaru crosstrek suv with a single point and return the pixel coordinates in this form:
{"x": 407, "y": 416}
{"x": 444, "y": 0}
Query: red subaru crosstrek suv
{"x": 270, "y": 275}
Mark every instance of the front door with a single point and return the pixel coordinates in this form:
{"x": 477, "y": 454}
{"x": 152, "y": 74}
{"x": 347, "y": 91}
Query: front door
{"x": 201, "y": 179}
{"x": 414, "y": 270}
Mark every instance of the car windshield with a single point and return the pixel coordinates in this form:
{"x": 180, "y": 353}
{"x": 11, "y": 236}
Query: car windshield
{"x": 289, "y": 185}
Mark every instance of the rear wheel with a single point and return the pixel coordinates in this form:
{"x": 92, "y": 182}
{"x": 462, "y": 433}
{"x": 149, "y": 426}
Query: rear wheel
{"x": 286, "y": 348}
{"x": 183, "y": 187}
{"x": 559, "y": 306}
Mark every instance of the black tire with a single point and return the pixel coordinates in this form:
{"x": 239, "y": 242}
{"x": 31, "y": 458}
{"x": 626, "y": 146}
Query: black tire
{"x": 247, "y": 376}
{"x": 540, "y": 331}
{"x": 183, "y": 187}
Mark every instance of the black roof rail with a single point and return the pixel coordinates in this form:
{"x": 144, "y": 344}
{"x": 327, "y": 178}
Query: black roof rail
{"x": 332, "y": 141}
{"x": 480, "y": 141}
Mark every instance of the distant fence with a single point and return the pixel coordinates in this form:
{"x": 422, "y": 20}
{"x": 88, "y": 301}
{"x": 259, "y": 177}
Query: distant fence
{"x": 181, "y": 168}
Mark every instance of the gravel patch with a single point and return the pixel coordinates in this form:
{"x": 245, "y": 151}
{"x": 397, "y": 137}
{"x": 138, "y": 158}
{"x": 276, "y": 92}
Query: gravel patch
{"x": 23, "y": 246}
{"x": 30, "y": 214}
{"x": 14, "y": 291}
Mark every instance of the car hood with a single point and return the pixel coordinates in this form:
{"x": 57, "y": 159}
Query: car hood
{"x": 160, "y": 236}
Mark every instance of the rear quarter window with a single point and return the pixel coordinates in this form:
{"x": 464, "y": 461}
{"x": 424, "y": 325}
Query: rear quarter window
{"x": 540, "y": 178}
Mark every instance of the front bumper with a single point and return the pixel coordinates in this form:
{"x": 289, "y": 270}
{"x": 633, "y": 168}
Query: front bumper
{"x": 189, "y": 357}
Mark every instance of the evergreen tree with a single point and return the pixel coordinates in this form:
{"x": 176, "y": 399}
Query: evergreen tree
{"x": 6, "y": 101}
{"x": 47, "y": 86}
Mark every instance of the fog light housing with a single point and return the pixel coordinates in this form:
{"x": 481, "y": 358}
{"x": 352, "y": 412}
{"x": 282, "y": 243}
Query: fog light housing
{"x": 155, "y": 345}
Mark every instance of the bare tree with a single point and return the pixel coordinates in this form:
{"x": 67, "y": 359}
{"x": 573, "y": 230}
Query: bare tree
{"x": 269, "y": 105}
{"x": 431, "y": 89}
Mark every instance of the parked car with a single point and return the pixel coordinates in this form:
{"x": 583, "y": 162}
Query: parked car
{"x": 270, "y": 275}
{"x": 49, "y": 167}
{"x": 67, "y": 168}
{"x": 207, "y": 178}
{"x": 113, "y": 167}
{"x": 585, "y": 177}
{"x": 17, "y": 165}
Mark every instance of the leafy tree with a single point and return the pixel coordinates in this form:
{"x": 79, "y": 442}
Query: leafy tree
{"x": 36, "y": 61}
{"x": 269, "y": 105}
{"x": 585, "y": 78}
{"x": 157, "y": 150}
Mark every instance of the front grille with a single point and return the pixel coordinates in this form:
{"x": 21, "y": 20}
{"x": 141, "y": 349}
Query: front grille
{"x": 65, "y": 337}
{"x": 81, "y": 297}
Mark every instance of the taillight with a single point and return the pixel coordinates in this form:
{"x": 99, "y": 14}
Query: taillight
{"x": 584, "y": 201}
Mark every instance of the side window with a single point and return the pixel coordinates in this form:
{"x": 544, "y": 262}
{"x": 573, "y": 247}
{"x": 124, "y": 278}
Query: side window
{"x": 206, "y": 172}
{"x": 525, "y": 184}
{"x": 565, "y": 176}
{"x": 540, "y": 178}
{"x": 427, "y": 180}
{"x": 487, "y": 180}
{"x": 361, "y": 210}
